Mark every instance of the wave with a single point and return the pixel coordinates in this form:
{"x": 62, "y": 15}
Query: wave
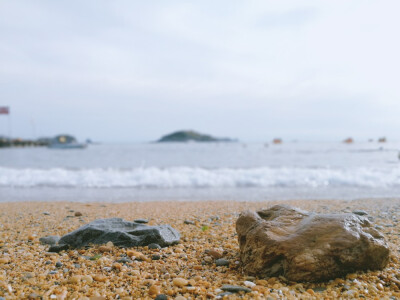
{"x": 187, "y": 177}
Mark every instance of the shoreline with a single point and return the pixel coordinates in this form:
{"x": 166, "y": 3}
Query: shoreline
{"x": 28, "y": 269}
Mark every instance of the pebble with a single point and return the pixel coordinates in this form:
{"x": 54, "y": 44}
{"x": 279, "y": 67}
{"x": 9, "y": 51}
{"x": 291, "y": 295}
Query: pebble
{"x": 222, "y": 262}
{"x": 319, "y": 289}
{"x": 360, "y": 212}
{"x": 59, "y": 264}
{"x": 141, "y": 221}
{"x": 222, "y": 295}
{"x": 33, "y": 296}
{"x": 180, "y": 298}
{"x": 49, "y": 240}
{"x": 103, "y": 249}
{"x": 4, "y": 260}
{"x": 249, "y": 284}
{"x": 100, "y": 278}
{"x": 46, "y": 213}
{"x": 161, "y": 297}
{"x": 155, "y": 257}
{"x": 154, "y": 246}
{"x": 53, "y": 272}
{"x": 214, "y": 253}
{"x": 78, "y": 214}
{"x": 58, "y": 248}
{"x": 180, "y": 282}
{"x": 154, "y": 290}
{"x": 235, "y": 288}
{"x": 189, "y": 222}
{"x": 124, "y": 260}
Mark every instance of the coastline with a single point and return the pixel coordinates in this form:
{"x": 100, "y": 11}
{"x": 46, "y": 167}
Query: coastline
{"x": 26, "y": 267}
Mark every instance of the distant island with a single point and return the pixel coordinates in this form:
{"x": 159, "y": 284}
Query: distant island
{"x": 190, "y": 135}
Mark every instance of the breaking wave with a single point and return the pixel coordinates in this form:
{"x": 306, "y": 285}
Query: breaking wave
{"x": 187, "y": 177}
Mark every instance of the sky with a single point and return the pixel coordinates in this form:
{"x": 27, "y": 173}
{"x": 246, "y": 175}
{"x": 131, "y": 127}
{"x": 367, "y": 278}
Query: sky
{"x": 132, "y": 71}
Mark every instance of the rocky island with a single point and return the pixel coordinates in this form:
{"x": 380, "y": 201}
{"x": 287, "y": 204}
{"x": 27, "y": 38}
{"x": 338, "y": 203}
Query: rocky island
{"x": 190, "y": 135}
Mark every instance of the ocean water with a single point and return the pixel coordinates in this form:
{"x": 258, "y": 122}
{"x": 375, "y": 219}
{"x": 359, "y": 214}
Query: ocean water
{"x": 201, "y": 171}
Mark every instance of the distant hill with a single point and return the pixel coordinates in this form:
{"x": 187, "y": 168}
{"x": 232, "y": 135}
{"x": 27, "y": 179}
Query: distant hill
{"x": 190, "y": 135}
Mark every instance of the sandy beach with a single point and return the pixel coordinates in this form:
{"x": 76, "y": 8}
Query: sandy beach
{"x": 184, "y": 271}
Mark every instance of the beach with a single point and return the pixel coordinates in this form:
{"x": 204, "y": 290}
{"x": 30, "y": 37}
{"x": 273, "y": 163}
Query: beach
{"x": 187, "y": 270}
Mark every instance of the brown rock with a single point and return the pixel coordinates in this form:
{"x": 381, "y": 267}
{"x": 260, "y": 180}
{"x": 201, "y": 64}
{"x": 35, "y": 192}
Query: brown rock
{"x": 78, "y": 214}
{"x": 305, "y": 246}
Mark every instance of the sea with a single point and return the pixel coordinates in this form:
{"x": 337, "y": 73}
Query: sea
{"x": 201, "y": 171}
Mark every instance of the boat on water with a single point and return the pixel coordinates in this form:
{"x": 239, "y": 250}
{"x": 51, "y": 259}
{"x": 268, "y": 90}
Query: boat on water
{"x": 65, "y": 141}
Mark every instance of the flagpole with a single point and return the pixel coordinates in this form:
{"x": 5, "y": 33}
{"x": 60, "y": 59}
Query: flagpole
{"x": 9, "y": 126}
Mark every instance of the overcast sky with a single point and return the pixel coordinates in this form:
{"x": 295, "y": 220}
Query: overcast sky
{"x": 125, "y": 71}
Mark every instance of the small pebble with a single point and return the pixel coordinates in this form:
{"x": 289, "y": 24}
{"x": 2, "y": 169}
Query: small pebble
{"x": 214, "y": 253}
{"x": 105, "y": 249}
{"x": 222, "y": 262}
{"x": 189, "y": 222}
{"x": 155, "y": 257}
{"x": 59, "y": 264}
{"x": 58, "y": 248}
{"x": 249, "y": 284}
{"x": 100, "y": 278}
{"x": 222, "y": 295}
{"x": 78, "y": 214}
{"x": 161, "y": 297}
{"x": 124, "y": 260}
{"x": 235, "y": 288}
{"x": 180, "y": 282}
{"x": 46, "y": 213}
{"x": 154, "y": 246}
{"x": 154, "y": 290}
{"x": 360, "y": 212}
{"x": 49, "y": 240}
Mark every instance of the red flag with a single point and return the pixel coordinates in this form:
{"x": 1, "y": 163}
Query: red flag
{"x": 4, "y": 110}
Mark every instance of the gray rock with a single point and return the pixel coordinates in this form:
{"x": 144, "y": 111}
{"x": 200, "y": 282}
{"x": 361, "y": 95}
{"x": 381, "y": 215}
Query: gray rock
{"x": 222, "y": 262}
{"x": 304, "y": 246}
{"x": 161, "y": 297}
{"x": 121, "y": 233}
{"x": 53, "y": 272}
{"x": 46, "y": 213}
{"x": 49, "y": 240}
{"x": 141, "y": 221}
{"x": 189, "y": 222}
{"x": 235, "y": 288}
{"x": 59, "y": 264}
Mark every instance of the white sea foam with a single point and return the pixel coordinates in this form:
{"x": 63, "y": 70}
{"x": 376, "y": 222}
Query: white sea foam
{"x": 188, "y": 177}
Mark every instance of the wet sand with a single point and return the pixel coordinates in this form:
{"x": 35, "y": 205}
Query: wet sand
{"x": 184, "y": 271}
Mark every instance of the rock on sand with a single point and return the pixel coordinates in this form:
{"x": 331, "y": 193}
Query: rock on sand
{"x": 305, "y": 246}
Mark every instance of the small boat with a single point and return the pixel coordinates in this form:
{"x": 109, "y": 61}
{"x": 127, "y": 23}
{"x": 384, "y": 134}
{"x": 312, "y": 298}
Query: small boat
{"x": 65, "y": 142}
